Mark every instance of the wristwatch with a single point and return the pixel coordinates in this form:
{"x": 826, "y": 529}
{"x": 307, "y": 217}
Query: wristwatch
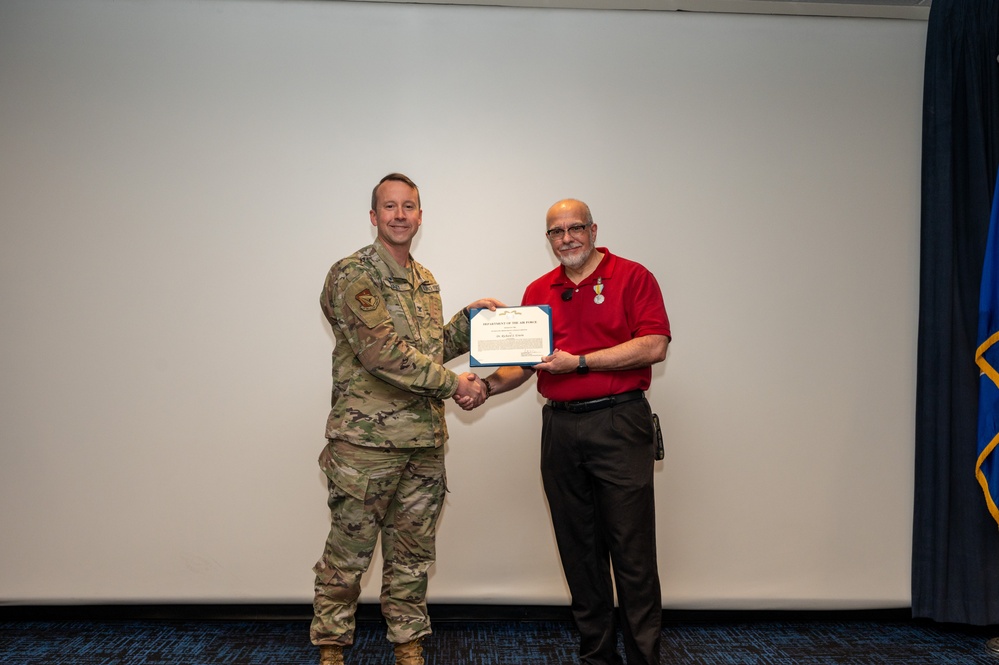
{"x": 582, "y": 368}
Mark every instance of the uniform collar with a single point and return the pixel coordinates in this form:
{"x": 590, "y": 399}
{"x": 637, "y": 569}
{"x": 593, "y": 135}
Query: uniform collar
{"x": 394, "y": 269}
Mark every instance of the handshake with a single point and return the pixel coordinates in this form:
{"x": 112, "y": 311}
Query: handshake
{"x": 472, "y": 391}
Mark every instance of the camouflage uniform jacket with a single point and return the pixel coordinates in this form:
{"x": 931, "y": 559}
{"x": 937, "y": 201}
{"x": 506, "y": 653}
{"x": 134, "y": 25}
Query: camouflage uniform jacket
{"x": 389, "y": 379}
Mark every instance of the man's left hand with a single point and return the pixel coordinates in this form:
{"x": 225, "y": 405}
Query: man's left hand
{"x": 486, "y": 303}
{"x": 559, "y": 362}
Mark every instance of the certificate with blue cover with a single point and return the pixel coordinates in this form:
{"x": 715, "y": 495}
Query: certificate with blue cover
{"x": 510, "y": 335}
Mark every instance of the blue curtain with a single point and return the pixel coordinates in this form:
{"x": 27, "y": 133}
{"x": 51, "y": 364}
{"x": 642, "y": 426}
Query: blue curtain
{"x": 955, "y": 553}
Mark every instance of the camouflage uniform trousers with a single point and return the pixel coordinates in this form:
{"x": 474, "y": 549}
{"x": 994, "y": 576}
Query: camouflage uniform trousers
{"x": 398, "y": 493}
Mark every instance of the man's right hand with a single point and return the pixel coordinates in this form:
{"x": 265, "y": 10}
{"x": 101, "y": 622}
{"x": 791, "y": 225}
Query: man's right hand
{"x": 471, "y": 391}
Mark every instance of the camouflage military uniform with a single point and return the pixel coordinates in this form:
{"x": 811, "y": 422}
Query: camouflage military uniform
{"x": 384, "y": 460}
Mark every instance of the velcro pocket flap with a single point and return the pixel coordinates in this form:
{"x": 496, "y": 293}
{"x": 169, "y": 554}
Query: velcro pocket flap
{"x": 348, "y": 478}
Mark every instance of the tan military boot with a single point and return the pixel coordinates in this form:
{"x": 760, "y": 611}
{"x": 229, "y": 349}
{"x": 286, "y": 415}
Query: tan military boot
{"x": 330, "y": 654}
{"x": 409, "y": 653}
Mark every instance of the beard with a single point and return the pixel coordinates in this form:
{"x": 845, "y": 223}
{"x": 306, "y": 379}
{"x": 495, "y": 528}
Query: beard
{"x": 574, "y": 262}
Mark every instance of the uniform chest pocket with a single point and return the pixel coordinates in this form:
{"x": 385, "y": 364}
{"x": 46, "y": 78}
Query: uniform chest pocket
{"x": 402, "y": 308}
{"x": 428, "y": 304}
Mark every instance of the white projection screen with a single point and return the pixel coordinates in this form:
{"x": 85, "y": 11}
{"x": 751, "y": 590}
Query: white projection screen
{"x": 177, "y": 176}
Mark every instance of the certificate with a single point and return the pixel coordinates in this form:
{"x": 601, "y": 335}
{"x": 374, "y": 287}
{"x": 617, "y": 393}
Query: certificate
{"x": 510, "y": 335}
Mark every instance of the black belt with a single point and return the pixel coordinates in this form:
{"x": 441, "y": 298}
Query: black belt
{"x": 587, "y": 405}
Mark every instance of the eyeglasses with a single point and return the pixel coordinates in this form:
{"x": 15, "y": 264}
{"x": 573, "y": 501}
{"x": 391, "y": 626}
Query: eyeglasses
{"x": 576, "y": 231}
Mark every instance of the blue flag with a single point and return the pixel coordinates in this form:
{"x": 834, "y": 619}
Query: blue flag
{"x": 987, "y": 359}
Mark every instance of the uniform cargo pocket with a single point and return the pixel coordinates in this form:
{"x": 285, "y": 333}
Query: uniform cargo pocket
{"x": 343, "y": 474}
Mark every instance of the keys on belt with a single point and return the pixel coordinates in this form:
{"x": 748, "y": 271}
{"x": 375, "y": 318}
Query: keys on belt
{"x": 587, "y": 405}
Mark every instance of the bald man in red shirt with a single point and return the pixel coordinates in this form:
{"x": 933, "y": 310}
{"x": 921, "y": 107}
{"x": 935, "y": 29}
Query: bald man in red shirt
{"x": 598, "y": 450}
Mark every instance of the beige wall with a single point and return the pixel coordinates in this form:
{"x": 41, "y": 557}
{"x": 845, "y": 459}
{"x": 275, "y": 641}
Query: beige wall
{"x": 177, "y": 176}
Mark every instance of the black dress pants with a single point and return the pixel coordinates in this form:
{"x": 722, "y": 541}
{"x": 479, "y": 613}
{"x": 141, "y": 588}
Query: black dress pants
{"x": 597, "y": 469}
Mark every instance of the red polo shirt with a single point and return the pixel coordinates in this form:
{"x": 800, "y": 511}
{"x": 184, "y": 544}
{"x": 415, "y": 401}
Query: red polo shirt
{"x": 631, "y": 305}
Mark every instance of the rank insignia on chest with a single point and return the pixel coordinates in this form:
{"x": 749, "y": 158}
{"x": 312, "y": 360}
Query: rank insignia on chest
{"x": 367, "y": 300}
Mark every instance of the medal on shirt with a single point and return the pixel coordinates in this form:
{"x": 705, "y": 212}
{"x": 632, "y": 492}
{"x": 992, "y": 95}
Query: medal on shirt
{"x": 598, "y": 288}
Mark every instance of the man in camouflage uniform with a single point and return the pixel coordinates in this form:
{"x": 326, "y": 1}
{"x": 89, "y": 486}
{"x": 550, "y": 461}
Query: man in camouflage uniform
{"x": 384, "y": 459}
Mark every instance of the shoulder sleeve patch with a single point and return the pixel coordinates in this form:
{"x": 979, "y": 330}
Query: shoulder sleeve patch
{"x": 366, "y": 302}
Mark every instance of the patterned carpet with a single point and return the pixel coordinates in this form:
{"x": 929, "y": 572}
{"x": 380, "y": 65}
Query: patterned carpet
{"x": 204, "y": 638}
